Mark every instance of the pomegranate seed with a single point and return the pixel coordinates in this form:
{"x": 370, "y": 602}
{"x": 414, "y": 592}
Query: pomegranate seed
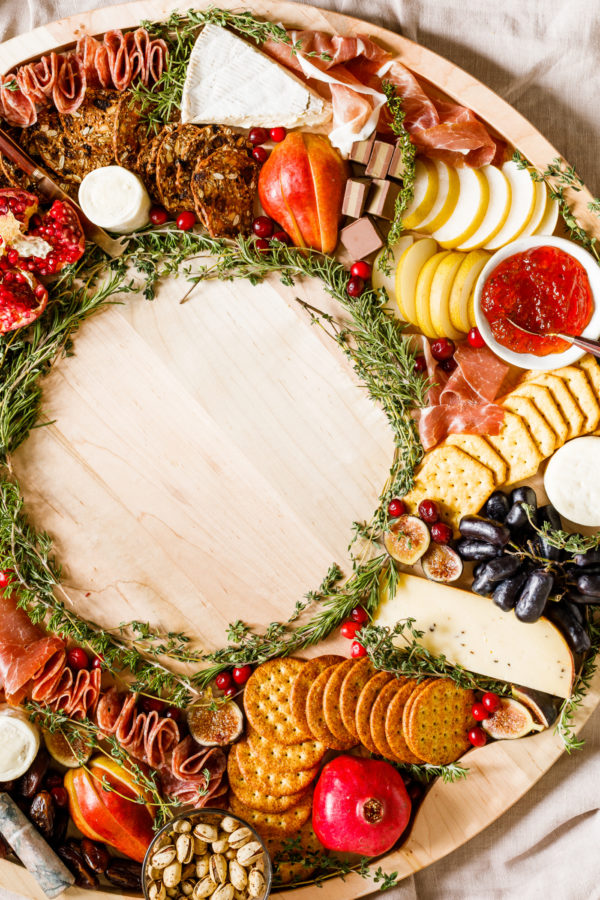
{"x": 479, "y": 712}
{"x": 491, "y": 701}
{"x": 242, "y": 674}
{"x": 152, "y": 704}
{"x": 223, "y": 681}
{"x": 477, "y": 737}
{"x": 283, "y": 237}
{"x": 260, "y": 155}
{"x": 441, "y": 533}
{"x": 349, "y": 629}
{"x": 60, "y": 796}
{"x": 77, "y": 658}
{"x": 230, "y": 691}
{"x": 40, "y": 291}
{"x": 429, "y": 511}
{"x": 186, "y": 220}
{"x": 396, "y": 508}
{"x": 13, "y": 257}
{"x": 357, "y": 650}
{"x": 442, "y": 349}
{"x": 420, "y": 364}
{"x": 262, "y": 245}
{"x": 277, "y": 134}
{"x": 263, "y": 226}
{"x": 97, "y": 662}
{"x": 475, "y": 339}
{"x": 355, "y": 287}
{"x": 9, "y": 277}
{"x": 359, "y": 614}
{"x": 20, "y": 278}
{"x": 158, "y": 215}
{"x": 361, "y": 269}
{"x": 258, "y": 136}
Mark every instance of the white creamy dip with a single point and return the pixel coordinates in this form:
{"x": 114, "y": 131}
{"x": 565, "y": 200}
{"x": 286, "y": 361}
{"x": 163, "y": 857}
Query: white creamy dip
{"x": 114, "y": 198}
{"x": 19, "y": 743}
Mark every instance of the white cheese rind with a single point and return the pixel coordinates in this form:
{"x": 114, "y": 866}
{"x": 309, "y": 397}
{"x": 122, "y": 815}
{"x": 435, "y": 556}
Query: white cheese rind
{"x": 471, "y": 631}
{"x": 19, "y": 743}
{"x": 115, "y": 198}
{"x": 229, "y": 82}
{"x": 571, "y": 480}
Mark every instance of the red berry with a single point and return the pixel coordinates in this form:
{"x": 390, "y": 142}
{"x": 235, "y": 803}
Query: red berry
{"x": 359, "y": 614}
{"x": 262, "y": 245}
{"x": 448, "y": 365}
{"x": 260, "y": 155}
{"x": 361, "y": 269}
{"x": 78, "y": 658}
{"x": 258, "y": 136}
{"x": 223, "y": 681}
{"x": 5, "y": 577}
{"x": 278, "y": 134}
{"x": 97, "y": 662}
{"x": 263, "y": 227}
{"x": 158, "y": 215}
{"x": 282, "y": 236}
{"x": 152, "y": 704}
{"x": 173, "y": 712}
{"x": 186, "y": 220}
{"x": 443, "y": 348}
{"x": 53, "y": 780}
{"x": 242, "y": 674}
{"x": 357, "y": 650}
{"x": 60, "y": 796}
{"x": 479, "y": 712}
{"x": 355, "y": 287}
{"x": 441, "y": 533}
{"x": 396, "y": 508}
{"x": 349, "y": 629}
{"x": 429, "y": 511}
{"x": 477, "y": 737}
{"x": 230, "y": 691}
{"x": 491, "y": 701}
{"x": 420, "y": 364}
{"x": 475, "y": 339}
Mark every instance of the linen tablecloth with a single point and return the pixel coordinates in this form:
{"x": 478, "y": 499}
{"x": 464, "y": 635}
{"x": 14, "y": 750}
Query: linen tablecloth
{"x": 543, "y": 57}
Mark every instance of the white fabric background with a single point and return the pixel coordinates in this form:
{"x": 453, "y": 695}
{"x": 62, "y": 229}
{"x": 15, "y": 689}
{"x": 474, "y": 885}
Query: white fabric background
{"x": 543, "y": 57}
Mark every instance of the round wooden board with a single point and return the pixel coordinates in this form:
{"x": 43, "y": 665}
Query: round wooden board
{"x": 207, "y": 459}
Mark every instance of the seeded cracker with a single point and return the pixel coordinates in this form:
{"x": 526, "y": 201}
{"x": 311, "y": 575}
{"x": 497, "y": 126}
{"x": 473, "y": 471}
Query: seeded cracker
{"x": 130, "y": 133}
{"x": 166, "y": 184}
{"x": 367, "y": 698}
{"x": 267, "y": 700}
{"x": 253, "y": 796}
{"x": 315, "y": 714}
{"x": 49, "y": 139}
{"x": 193, "y": 143}
{"x": 257, "y": 773}
{"x": 352, "y": 685}
{"x": 331, "y": 702}
{"x": 437, "y": 719}
{"x": 224, "y": 190}
{"x": 302, "y": 685}
{"x": 394, "y": 730}
{"x": 146, "y": 163}
{"x": 281, "y": 823}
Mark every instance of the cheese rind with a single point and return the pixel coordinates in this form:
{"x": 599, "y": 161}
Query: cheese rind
{"x": 470, "y": 631}
{"x": 230, "y": 82}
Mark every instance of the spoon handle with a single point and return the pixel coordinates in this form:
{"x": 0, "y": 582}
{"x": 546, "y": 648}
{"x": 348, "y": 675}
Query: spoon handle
{"x": 591, "y": 346}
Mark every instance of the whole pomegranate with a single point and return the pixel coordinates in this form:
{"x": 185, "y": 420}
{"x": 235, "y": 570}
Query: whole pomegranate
{"x": 360, "y": 806}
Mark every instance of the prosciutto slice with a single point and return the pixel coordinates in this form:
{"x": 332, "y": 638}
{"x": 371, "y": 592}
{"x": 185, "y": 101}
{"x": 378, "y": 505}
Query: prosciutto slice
{"x": 26, "y": 653}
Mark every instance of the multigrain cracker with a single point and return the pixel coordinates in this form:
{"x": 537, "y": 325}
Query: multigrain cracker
{"x": 130, "y": 133}
{"x": 331, "y": 701}
{"x": 366, "y": 700}
{"x": 278, "y": 823}
{"x": 267, "y": 700}
{"x": 315, "y": 714}
{"x": 285, "y": 757}
{"x": 193, "y": 143}
{"x": 302, "y": 685}
{"x": 378, "y": 717}
{"x": 394, "y": 732}
{"x": 224, "y": 190}
{"x": 254, "y": 796}
{"x": 540, "y": 430}
{"x": 565, "y": 400}
{"x": 257, "y": 773}
{"x": 541, "y": 396}
{"x": 352, "y": 685}
{"x": 437, "y": 719}
{"x": 477, "y": 447}
{"x": 516, "y": 446}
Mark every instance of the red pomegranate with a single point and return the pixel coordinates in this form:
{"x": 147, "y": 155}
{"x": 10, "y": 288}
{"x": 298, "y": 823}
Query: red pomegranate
{"x": 22, "y": 299}
{"x": 20, "y": 203}
{"x": 360, "y": 806}
{"x": 60, "y": 227}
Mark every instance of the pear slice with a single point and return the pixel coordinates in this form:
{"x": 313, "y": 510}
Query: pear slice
{"x": 462, "y": 289}
{"x": 521, "y": 207}
{"x": 439, "y": 296}
{"x": 446, "y": 200}
{"x": 407, "y": 272}
{"x": 499, "y": 197}
{"x": 423, "y": 294}
{"x": 424, "y": 193}
{"x": 550, "y": 217}
{"x": 380, "y": 279}
{"x": 539, "y": 209}
{"x": 473, "y": 199}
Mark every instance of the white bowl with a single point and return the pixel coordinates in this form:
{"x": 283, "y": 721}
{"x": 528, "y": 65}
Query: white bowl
{"x": 530, "y": 360}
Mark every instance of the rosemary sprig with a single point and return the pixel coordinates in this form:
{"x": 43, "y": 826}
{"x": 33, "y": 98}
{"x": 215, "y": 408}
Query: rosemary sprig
{"x": 564, "y": 727}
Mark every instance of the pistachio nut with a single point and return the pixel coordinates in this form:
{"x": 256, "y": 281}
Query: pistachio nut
{"x": 239, "y": 837}
{"x": 184, "y": 846}
{"x": 256, "y": 883}
{"x": 164, "y": 857}
{"x": 217, "y": 868}
{"x": 206, "y": 832}
{"x": 249, "y": 853}
{"x": 204, "y": 888}
{"x": 237, "y": 875}
{"x": 172, "y": 874}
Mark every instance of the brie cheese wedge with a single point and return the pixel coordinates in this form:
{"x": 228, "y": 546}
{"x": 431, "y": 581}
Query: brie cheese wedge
{"x": 230, "y": 82}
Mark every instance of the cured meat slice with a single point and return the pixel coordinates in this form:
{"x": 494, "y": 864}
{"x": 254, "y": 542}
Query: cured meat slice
{"x": 118, "y": 58}
{"x": 195, "y": 793}
{"x": 191, "y": 760}
{"x": 87, "y": 47}
{"x": 70, "y": 84}
{"x": 26, "y": 653}
{"x": 75, "y": 695}
{"x": 479, "y": 372}
{"x": 147, "y": 736}
{"x": 437, "y": 422}
{"x": 16, "y": 107}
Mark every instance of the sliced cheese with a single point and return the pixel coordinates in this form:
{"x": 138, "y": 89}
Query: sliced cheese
{"x": 230, "y": 82}
{"x": 470, "y": 631}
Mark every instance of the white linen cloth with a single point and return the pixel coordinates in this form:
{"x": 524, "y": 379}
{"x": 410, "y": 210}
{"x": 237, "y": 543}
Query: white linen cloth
{"x": 542, "y": 56}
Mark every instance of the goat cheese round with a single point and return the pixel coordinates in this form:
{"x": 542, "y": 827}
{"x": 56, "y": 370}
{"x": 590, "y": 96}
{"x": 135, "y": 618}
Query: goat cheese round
{"x": 571, "y": 480}
{"x": 19, "y": 743}
{"x": 114, "y": 198}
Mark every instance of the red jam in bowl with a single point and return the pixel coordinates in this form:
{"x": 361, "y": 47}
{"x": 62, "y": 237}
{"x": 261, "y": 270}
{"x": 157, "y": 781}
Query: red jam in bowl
{"x": 544, "y": 290}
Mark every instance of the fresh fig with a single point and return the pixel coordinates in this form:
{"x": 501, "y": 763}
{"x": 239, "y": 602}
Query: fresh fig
{"x": 70, "y": 752}
{"x": 407, "y": 539}
{"x": 442, "y": 563}
{"x": 215, "y": 725}
{"x": 543, "y": 706}
{"x": 511, "y": 720}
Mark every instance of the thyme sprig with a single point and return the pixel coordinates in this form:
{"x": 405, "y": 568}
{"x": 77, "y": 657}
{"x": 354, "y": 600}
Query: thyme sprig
{"x": 408, "y": 149}
{"x": 563, "y": 540}
{"x": 565, "y": 727}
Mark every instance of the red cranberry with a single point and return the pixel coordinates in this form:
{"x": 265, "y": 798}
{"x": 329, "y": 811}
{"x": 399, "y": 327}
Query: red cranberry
{"x": 429, "y": 511}
{"x": 262, "y": 245}
{"x": 359, "y": 614}
{"x": 158, "y": 215}
{"x": 361, "y": 269}
{"x": 479, "y": 712}
{"x": 223, "y": 681}
{"x": 396, "y": 508}
{"x": 152, "y": 704}
{"x": 420, "y": 364}
{"x": 242, "y": 674}
{"x": 442, "y": 349}
{"x": 263, "y": 227}
{"x": 186, "y": 220}
{"x": 491, "y": 701}
{"x": 349, "y": 629}
{"x": 77, "y": 658}
{"x": 448, "y": 365}
{"x": 475, "y": 339}
{"x": 278, "y": 134}
{"x": 258, "y": 136}
{"x": 5, "y": 577}
{"x": 60, "y": 796}
{"x": 173, "y": 712}
{"x": 355, "y": 287}
{"x": 282, "y": 236}
{"x": 230, "y": 691}
{"x": 477, "y": 737}
{"x": 97, "y": 662}
{"x": 260, "y": 155}
{"x": 441, "y": 533}
{"x": 357, "y": 650}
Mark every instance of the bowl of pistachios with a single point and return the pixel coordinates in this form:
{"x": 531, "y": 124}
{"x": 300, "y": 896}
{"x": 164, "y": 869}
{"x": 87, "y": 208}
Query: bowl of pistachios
{"x": 207, "y": 854}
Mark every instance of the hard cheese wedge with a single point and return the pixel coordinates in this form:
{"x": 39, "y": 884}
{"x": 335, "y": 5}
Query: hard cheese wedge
{"x": 469, "y": 630}
{"x": 229, "y": 82}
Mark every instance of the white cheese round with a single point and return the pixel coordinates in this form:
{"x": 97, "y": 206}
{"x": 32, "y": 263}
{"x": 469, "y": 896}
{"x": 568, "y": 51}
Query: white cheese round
{"x": 114, "y": 198}
{"x": 572, "y": 480}
{"x": 19, "y": 743}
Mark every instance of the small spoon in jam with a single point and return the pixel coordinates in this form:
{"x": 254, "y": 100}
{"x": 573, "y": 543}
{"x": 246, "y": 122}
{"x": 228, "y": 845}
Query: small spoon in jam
{"x": 591, "y": 346}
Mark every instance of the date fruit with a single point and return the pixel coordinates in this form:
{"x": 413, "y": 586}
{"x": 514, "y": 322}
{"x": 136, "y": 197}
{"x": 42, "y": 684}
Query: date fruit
{"x": 96, "y": 855}
{"x": 71, "y": 855}
{"x": 41, "y": 813}
{"x": 125, "y": 873}
{"x": 31, "y": 782}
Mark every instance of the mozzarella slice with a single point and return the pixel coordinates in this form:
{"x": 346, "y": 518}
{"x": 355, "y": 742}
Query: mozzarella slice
{"x": 571, "y": 480}
{"x": 521, "y": 205}
{"x": 499, "y": 197}
{"x": 469, "y": 212}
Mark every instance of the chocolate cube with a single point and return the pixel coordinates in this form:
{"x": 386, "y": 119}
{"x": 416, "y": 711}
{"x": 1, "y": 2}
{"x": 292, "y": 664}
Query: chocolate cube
{"x": 361, "y": 238}
{"x": 396, "y": 169}
{"x": 380, "y": 159}
{"x": 361, "y": 151}
{"x": 382, "y": 198}
{"x": 355, "y": 196}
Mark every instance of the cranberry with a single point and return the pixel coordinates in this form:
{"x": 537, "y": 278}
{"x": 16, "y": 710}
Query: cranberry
{"x": 448, "y": 365}
{"x": 97, "y": 662}
{"x": 186, "y": 220}
{"x": 479, "y": 712}
{"x": 152, "y": 704}
{"x": 491, "y": 701}
{"x": 77, "y": 658}
{"x": 357, "y": 650}
{"x": 396, "y": 508}
{"x": 361, "y": 269}
{"x": 441, "y": 533}
{"x": 475, "y": 339}
{"x": 223, "y": 681}
{"x": 173, "y": 712}
{"x": 60, "y": 796}
{"x": 5, "y": 577}
{"x": 258, "y": 136}
{"x": 355, "y": 287}
{"x": 359, "y": 614}
{"x": 262, "y": 245}
{"x": 442, "y": 349}
{"x": 53, "y": 780}
{"x": 429, "y": 511}
{"x": 477, "y": 737}
{"x": 230, "y": 691}
{"x": 278, "y": 134}
{"x": 242, "y": 674}
{"x": 420, "y": 364}
{"x": 158, "y": 215}
{"x": 260, "y": 155}
{"x": 349, "y": 629}
{"x": 263, "y": 227}
{"x": 282, "y": 236}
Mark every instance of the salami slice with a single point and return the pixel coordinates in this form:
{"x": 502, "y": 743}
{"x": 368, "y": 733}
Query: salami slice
{"x": 76, "y": 695}
{"x": 16, "y": 107}
{"x": 119, "y": 59}
{"x": 70, "y": 84}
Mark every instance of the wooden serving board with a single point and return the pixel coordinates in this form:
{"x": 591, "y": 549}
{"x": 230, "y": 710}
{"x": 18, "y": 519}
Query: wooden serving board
{"x": 207, "y": 460}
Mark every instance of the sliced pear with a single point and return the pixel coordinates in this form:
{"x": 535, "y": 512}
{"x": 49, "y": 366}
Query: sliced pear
{"x": 446, "y": 200}
{"x": 439, "y": 298}
{"x": 462, "y": 289}
{"x": 499, "y": 196}
{"x": 522, "y": 204}
{"x": 424, "y": 193}
{"x": 539, "y": 209}
{"x": 471, "y": 313}
{"x": 550, "y": 217}
{"x": 380, "y": 279}
{"x": 409, "y": 267}
{"x": 474, "y": 194}
{"x": 423, "y": 294}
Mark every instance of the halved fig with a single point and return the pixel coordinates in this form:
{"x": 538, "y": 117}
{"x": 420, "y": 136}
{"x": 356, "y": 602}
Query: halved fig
{"x": 407, "y": 539}
{"x": 543, "y": 706}
{"x": 442, "y": 563}
{"x": 511, "y": 720}
{"x": 215, "y": 724}
{"x": 71, "y": 752}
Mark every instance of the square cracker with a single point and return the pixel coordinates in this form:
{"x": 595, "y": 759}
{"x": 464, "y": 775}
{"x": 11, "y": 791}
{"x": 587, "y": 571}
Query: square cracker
{"x": 540, "y": 431}
{"x": 477, "y": 447}
{"x": 579, "y": 384}
{"x": 516, "y": 446}
{"x": 570, "y": 410}
{"x": 591, "y": 368}
{"x": 542, "y": 397}
{"x": 457, "y": 482}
